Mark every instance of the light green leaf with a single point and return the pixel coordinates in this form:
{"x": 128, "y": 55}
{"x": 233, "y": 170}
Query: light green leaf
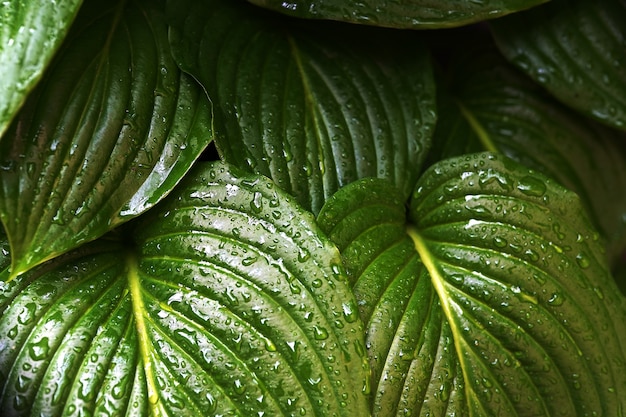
{"x": 413, "y": 14}
{"x": 575, "y": 49}
{"x": 489, "y": 105}
{"x": 311, "y": 111}
{"x": 110, "y": 130}
{"x": 494, "y": 300}
{"x": 228, "y": 301}
{"x": 30, "y": 34}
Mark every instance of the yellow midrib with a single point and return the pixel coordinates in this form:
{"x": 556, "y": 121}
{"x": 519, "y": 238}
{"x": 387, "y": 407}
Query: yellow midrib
{"x": 134, "y": 285}
{"x": 437, "y": 280}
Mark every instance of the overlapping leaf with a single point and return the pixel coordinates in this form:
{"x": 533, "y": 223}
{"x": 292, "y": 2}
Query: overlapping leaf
{"x": 110, "y": 131}
{"x": 314, "y": 112}
{"x": 494, "y": 300}
{"x": 490, "y": 106}
{"x": 405, "y": 14}
{"x": 575, "y": 49}
{"x": 30, "y": 34}
{"x": 229, "y": 302}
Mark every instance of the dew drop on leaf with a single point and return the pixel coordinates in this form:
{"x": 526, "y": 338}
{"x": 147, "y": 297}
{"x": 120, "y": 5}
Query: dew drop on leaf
{"x": 531, "y": 186}
{"x": 320, "y": 333}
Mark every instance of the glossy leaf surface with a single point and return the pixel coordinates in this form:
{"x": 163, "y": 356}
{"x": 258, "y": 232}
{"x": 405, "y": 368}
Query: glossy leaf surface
{"x": 494, "y": 298}
{"x": 575, "y": 49}
{"x": 30, "y": 34}
{"x": 111, "y": 129}
{"x": 489, "y": 105}
{"x": 312, "y": 111}
{"x": 229, "y": 302}
{"x": 414, "y": 14}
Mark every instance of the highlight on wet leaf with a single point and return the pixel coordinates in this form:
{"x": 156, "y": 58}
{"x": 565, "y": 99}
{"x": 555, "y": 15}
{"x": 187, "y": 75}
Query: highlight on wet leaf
{"x": 229, "y": 300}
{"x": 111, "y": 129}
{"x": 492, "y": 293}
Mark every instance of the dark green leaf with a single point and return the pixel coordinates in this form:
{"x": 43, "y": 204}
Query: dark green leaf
{"x": 230, "y": 302}
{"x": 575, "y": 49}
{"x": 111, "y": 129}
{"x": 311, "y": 111}
{"x": 416, "y": 14}
{"x": 490, "y": 106}
{"x": 30, "y": 34}
{"x": 494, "y": 300}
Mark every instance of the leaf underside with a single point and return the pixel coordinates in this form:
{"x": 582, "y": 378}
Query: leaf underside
{"x": 111, "y": 129}
{"x": 220, "y": 307}
{"x": 412, "y": 14}
{"x": 495, "y": 296}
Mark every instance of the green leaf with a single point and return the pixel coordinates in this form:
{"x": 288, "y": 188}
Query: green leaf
{"x": 311, "y": 111}
{"x": 575, "y": 49}
{"x": 108, "y": 133}
{"x": 489, "y": 105}
{"x": 229, "y": 301}
{"x": 30, "y": 34}
{"x": 415, "y": 14}
{"x": 494, "y": 300}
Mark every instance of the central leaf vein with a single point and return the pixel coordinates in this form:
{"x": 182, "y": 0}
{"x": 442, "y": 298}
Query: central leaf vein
{"x": 139, "y": 310}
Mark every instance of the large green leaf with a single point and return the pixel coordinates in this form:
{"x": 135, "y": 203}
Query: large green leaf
{"x": 489, "y": 105}
{"x": 493, "y": 300}
{"x": 575, "y": 49}
{"x": 416, "y": 14}
{"x": 111, "y": 129}
{"x": 229, "y": 301}
{"x": 30, "y": 34}
{"x": 312, "y": 111}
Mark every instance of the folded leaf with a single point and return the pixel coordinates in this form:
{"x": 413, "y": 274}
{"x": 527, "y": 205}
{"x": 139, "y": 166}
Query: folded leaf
{"x": 111, "y": 129}
{"x": 494, "y": 300}
{"x": 415, "y": 14}
{"x": 30, "y": 34}
{"x": 575, "y": 49}
{"x": 228, "y": 301}
{"x": 313, "y": 111}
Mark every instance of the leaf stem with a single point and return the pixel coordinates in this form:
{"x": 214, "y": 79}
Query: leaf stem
{"x": 139, "y": 311}
{"x": 480, "y": 131}
{"x": 450, "y": 310}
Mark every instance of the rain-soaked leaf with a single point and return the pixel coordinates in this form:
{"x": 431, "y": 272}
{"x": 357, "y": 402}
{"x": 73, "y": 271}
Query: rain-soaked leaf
{"x": 30, "y": 33}
{"x": 413, "y": 14}
{"x": 490, "y": 105}
{"x": 228, "y": 300}
{"x": 493, "y": 299}
{"x": 314, "y": 111}
{"x": 575, "y": 49}
{"x": 110, "y": 130}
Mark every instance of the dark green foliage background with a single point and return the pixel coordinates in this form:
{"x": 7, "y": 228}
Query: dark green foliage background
{"x": 330, "y": 208}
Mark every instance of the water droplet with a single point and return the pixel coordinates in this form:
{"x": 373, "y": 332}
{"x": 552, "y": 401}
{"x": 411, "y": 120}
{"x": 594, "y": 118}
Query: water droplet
{"x": 320, "y": 333}
{"x": 249, "y": 261}
{"x": 303, "y": 255}
{"x": 582, "y": 260}
{"x": 531, "y": 186}
{"x": 39, "y": 351}
{"x": 499, "y": 242}
{"x": 257, "y": 202}
{"x": 239, "y": 387}
{"x": 556, "y": 299}
{"x": 349, "y": 312}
